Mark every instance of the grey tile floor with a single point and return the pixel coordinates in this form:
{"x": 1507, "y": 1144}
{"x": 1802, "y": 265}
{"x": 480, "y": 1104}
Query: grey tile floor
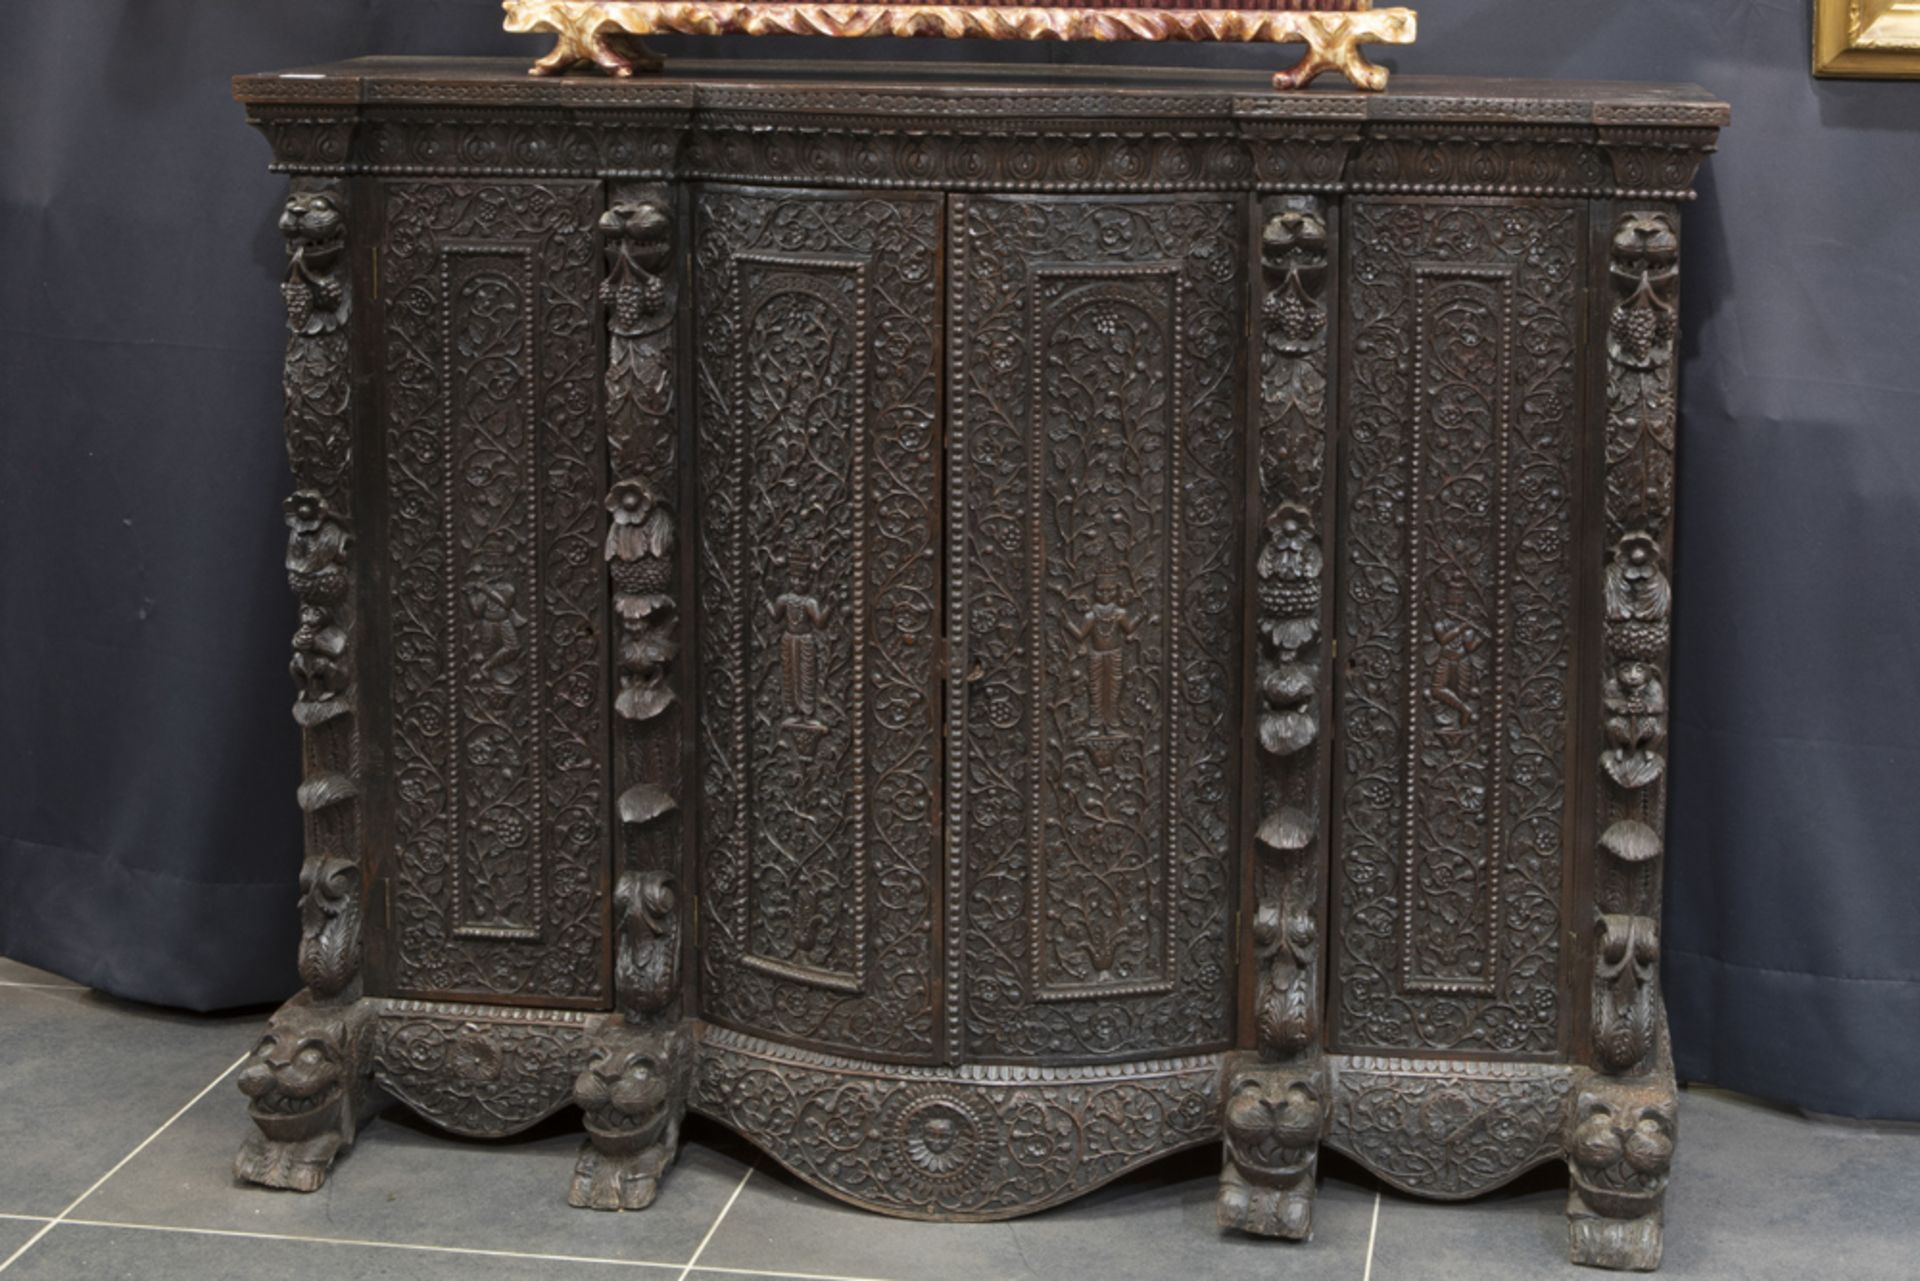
{"x": 118, "y": 1124}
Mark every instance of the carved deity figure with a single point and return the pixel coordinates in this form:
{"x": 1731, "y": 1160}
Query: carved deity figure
{"x": 1104, "y": 630}
{"x": 498, "y": 626}
{"x": 1452, "y": 682}
{"x": 803, "y": 621}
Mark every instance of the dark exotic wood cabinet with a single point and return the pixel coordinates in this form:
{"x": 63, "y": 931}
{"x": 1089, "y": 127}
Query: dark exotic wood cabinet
{"x": 982, "y": 629}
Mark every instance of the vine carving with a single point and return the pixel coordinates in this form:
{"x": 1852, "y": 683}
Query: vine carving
{"x": 954, "y": 1144}
{"x": 816, "y": 416}
{"x": 498, "y": 609}
{"x": 1092, "y": 589}
{"x": 1457, "y": 624}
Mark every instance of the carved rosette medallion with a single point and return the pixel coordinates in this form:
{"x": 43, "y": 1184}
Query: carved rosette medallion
{"x": 938, "y": 1140}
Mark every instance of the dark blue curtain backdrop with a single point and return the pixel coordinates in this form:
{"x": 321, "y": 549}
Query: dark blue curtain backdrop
{"x": 148, "y": 840}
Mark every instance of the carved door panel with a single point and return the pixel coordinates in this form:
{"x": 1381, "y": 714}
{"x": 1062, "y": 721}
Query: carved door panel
{"x": 1456, "y": 624}
{"x": 1093, "y": 581}
{"x": 817, "y": 383}
{"x": 492, "y": 695}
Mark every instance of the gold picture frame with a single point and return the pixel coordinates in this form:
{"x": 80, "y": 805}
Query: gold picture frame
{"x": 603, "y": 33}
{"x": 1878, "y": 39}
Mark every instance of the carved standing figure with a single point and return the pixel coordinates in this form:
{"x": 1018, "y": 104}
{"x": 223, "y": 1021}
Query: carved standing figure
{"x": 498, "y": 626}
{"x": 1452, "y": 682}
{"x": 1104, "y": 629}
{"x": 803, "y": 621}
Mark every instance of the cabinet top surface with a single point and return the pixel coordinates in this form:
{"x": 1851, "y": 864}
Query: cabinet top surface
{"x": 980, "y": 90}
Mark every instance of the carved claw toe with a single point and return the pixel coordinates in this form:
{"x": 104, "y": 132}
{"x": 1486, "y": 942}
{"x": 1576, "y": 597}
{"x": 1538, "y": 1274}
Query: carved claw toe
{"x": 294, "y": 1167}
{"x": 603, "y": 1181}
{"x": 1621, "y": 1245}
{"x": 1286, "y": 1213}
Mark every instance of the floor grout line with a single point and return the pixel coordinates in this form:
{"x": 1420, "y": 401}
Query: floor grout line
{"x": 710, "y": 1268}
{"x": 420, "y": 1248}
{"x": 718, "y": 1219}
{"x": 29, "y": 1218}
{"x": 1373, "y": 1232}
{"x": 372, "y": 1245}
{"x": 48, "y": 987}
{"x": 55, "y": 1222}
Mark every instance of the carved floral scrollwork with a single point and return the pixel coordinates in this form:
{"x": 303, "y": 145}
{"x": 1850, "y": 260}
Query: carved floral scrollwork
{"x": 1286, "y": 1010}
{"x": 648, "y": 963}
{"x": 1626, "y": 965}
{"x": 330, "y": 918}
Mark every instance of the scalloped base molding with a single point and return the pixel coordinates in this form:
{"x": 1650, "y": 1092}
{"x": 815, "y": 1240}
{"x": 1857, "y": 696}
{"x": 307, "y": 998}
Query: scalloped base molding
{"x": 601, "y": 33}
{"x": 974, "y": 1143}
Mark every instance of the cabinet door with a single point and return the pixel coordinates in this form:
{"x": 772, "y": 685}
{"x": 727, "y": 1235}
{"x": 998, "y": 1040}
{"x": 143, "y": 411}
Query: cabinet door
{"x": 1456, "y": 624}
{"x": 817, "y": 382}
{"x": 490, "y": 696}
{"x": 1094, "y": 574}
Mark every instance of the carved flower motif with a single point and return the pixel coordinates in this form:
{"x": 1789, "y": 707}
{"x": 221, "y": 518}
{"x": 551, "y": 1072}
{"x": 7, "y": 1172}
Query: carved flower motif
{"x": 306, "y": 511}
{"x": 642, "y": 525}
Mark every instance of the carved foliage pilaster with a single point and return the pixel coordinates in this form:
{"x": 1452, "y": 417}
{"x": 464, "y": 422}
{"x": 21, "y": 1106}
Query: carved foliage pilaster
{"x": 1621, "y": 1131}
{"x": 634, "y": 1091}
{"x": 1642, "y": 330}
{"x": 318, "y": 294}
{"x": 1290, "y": 591}
{"x": 640, "y": 294}
{"x": 1275, "y": 1099}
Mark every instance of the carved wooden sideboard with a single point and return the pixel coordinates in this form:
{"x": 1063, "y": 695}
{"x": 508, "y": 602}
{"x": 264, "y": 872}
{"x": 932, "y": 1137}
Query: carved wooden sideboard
{"x": 980, "y": 629}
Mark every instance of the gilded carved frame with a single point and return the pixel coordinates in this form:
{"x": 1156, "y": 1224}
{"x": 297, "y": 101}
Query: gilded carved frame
{"x": 604, "y": 33}
{"x": 1878, "y": 39}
